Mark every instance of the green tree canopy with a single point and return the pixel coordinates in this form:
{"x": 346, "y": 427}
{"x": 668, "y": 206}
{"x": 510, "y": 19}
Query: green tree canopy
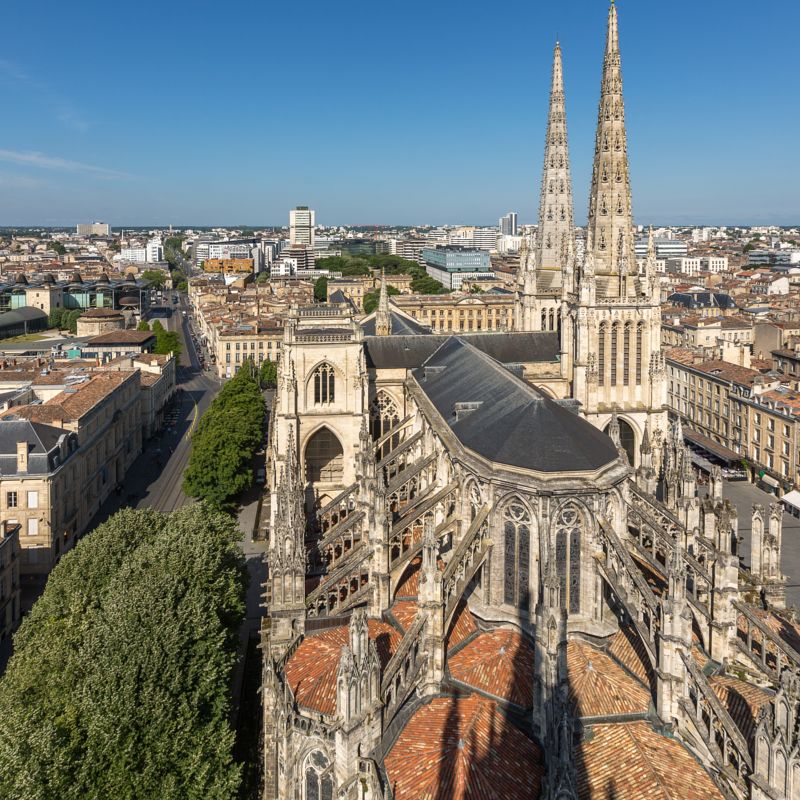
{"x": 143, "y": 326}
{"x": 268, "y": 374}
{"x": 321, "y": 289}
{"x": 58, "y": 248}
{"x": 371, "y": 299}
{"x": 157, "y": 278}
{"x": 229, "y": 433}
{"x": 56, "y": 317}
{"x": 119, "y": 684}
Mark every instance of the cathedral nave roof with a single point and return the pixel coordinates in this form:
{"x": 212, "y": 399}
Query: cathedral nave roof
{"x": 505, "y": 419}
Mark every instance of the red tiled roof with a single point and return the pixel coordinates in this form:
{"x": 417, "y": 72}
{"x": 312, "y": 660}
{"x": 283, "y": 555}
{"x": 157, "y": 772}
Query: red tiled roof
{"x": 311, "y": 671}
{"x": 409, "y": 583}
{"x": 633, "y": 762}
{"x": 627, "y": 648}
{"x": 463, "y": 749}
{"x": 462, "y": 626}
{"x": 598, "y": 687}
{"x": 500, "y": 663}
{"x": 405, "y": 611}
{"x": 742, "y": 700}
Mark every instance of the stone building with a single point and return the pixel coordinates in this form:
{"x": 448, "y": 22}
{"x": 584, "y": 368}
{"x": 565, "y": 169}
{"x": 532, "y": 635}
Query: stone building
{"x": 10, "y": 610}
{"x": 481, "y": 584}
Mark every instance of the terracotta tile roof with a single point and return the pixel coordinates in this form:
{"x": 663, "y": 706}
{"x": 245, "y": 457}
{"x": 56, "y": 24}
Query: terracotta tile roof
{"x": 311, "y": 671}
{"x": 462, "y": 626}
{"x": 409, "y": 583}
{"x": 742, "y": 700}
{"x": 463, "y": 749}
{"x": 599, "y": 687}
{"x": 499, "y": 662}
{"x": 87, "y": 395}
{"x": 632, "y": 762}
{"x": 405, "y": 611}
{"x": 627, "y": 648}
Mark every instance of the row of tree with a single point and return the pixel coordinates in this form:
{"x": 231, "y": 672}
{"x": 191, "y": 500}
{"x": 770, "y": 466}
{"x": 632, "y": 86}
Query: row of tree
{"x": 227, "y": 437}
{"x": 119, "y": 685}
{"x": 349, "y": 266}
{"x": 65, "y": 319}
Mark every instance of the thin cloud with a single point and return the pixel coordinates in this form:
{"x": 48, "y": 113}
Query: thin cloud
{"x": 42, "y": 161}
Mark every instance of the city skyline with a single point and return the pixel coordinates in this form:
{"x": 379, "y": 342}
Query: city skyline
{"x": 224, "y": 141}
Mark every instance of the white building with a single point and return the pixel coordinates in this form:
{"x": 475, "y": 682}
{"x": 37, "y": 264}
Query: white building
{"x": 302, "y": 221}
{"x": 154, "y": 251}
{"x": 508, "y": 224}
{"x": 684, "y": 266}
{"x": 136, "y": 254}
{"x": 714, "y": 264}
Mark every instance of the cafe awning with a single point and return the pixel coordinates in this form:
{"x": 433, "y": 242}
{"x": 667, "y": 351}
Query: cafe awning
{"x": 710, "y": 446}
{"x": 792, "y": 499}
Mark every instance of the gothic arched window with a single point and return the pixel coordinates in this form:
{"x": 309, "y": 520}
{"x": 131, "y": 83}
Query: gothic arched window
{"x": 614, "y": 345}
{"x": 517, "y": 544}
{"x": 601, "y": 354}
{"x": 569, "y": 535}
{"x": 319, "y": 784}
{"x": 383, "y": 416}
{"x": 639, "y": 335}
{"x": 626, "y": 355}
{"x": 324, "y": 384}
{"x": 324, "y": 458}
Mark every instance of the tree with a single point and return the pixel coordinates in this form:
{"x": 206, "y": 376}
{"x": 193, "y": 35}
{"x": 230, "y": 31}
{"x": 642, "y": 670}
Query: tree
{"x": 58, "y": 248}
{"x": 156, "y": 277}
{"x": 143, "y": 326}
{"x": 56, "y": 317}
{"x": 268, "y": 374}
{"x": 166, "y": 341}
{"x": 321, "y": 289}
{"x": 371, "y": 299}
{"x": 70, "y": 320}
{"x": 119, "y": 684}
{"x": 230, "y": 431}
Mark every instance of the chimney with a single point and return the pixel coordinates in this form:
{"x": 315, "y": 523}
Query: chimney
{"x": 22, "y": 456}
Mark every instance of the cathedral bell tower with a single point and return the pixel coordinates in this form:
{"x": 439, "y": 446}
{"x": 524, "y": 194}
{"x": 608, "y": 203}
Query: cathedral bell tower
{"x": 618, "y": 365}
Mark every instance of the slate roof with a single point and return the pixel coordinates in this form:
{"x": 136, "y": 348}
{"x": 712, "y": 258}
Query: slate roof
{"x": 42, "y": 440}
{"x": 402, "y": 325}
{"x": 463, "y": 748}
{"x": 514, "y": 423}
{"x": 407, "y": 352}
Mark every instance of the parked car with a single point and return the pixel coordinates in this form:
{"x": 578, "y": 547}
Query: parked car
{"x": 261, "y": 476}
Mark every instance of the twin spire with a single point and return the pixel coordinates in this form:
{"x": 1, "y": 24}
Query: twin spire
{"x": 609, "y": 243}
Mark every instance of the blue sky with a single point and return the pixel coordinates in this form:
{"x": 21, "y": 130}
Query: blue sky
{"x": 397, "y": 112}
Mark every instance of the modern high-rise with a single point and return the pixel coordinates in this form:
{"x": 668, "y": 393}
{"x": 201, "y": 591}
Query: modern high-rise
{"x": 301, "y": 226}
{"x": 508, "y": 224}
{"x": 93, "y": 229}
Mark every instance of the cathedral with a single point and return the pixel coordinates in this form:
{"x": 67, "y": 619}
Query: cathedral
{"x": 490, "y": 571}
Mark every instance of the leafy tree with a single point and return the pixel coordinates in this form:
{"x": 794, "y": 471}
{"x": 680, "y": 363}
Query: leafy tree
{"x": 371, "y": 299}
{"x": 70, "y": 320}
{"x": 166, "y": 341}
{"x": 230, "y": 431}
{"x": 56, "y": 317}
{"x": 268, "y": 374}
{"x": 263, "y": 277}
{"x": 58, "y": 248}
{"x": 143, "y": 326}
{"x": 119, "y": 684}
{"x": 156, "y": 277}
{"x": 321, "y": 289}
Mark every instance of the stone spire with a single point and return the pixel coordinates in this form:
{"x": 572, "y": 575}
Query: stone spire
{"x": 610, "y": 228}
{"x": 383, "y": 317}
{"x": 556, "y": 226}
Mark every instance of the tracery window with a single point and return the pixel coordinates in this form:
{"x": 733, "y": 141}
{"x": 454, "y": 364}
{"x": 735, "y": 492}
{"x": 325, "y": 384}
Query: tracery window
{"x": 319, "y": 783}
{"x": 569, "y": 533}
{"x": 324, "y": 458}
{"x": 626, "y": 355}
{"x": 614, "y": 338}
{"x": 517, "y": 551}
{"x": 639, "y": 335}
{"x": 601, "y": 354}
{"x": 384, "y": 416}
{"x": 324, "y": 384}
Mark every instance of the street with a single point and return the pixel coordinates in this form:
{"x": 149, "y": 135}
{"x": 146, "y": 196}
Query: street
{"x": 744, "y": 495}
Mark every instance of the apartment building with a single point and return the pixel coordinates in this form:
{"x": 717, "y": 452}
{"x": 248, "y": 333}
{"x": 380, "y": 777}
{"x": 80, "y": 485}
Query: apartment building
{"x": 740, "y": 414}
{"x": 61, "y": 459}
{"x": 254, "y": 341}
{"x": 488, "y": 311}
{"x": 9, "y": 580}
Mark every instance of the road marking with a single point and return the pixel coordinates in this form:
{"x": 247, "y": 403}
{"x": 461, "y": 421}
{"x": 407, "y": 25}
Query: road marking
{"x": 194, "y": 421}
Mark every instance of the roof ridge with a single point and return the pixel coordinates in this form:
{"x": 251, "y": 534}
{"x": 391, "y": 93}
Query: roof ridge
{"x": 665, "y": 793}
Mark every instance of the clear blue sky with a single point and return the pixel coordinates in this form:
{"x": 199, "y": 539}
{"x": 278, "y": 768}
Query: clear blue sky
{"x": 396, "y": 112}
